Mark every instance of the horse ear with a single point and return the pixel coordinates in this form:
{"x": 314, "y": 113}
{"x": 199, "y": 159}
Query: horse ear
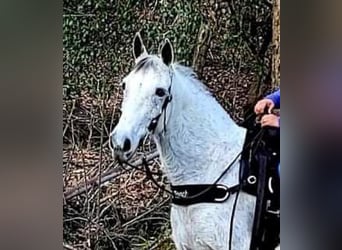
{"x": 167, "y": 52}
{"x": 138, "y": 46}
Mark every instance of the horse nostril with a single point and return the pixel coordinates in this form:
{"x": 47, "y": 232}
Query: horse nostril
{"x": 127, "y": 145}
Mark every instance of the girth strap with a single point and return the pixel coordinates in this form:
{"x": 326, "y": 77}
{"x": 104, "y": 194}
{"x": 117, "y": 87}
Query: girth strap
{"x": 185, "y": 195}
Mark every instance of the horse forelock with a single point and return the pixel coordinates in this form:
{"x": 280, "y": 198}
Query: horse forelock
{"x": 145, "y": 64}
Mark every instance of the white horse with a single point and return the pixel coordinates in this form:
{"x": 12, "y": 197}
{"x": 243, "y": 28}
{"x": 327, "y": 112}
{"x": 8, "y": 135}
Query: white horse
{"x": 196, "y": 140}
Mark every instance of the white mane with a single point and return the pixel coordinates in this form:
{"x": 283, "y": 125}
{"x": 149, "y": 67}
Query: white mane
{"x": 189, "y": 73}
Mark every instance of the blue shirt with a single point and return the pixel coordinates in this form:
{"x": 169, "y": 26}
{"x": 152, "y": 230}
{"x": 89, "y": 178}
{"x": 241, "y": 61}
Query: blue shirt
{"x": 275, "y": 97}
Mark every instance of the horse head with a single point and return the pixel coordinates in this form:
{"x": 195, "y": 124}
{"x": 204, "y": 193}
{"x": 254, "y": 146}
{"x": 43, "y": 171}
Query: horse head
{"x": 146, "y": 90}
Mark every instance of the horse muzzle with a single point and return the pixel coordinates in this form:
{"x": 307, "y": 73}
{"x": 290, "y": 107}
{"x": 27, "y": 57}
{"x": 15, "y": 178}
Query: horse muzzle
{"x": 122, "y": 148}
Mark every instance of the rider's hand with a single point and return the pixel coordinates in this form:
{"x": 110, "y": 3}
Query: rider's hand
{"x": 270, "y": 120}
{"x": 262, "y": 104}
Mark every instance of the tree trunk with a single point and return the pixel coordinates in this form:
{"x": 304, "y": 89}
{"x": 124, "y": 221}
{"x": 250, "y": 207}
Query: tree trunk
{"x": 276, "y": 44}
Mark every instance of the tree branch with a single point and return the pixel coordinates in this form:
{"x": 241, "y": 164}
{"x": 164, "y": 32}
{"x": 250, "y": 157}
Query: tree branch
{"x": 110, "y": 174}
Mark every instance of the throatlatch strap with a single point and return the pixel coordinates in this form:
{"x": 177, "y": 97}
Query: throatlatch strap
{"x": 185, "y": 195}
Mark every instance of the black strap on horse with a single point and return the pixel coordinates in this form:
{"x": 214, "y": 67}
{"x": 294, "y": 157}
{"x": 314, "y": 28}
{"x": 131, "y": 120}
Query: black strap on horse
{"x": 260, "y": 175}
{"x": 154, "y": 122}
{"x": 215, "y": 192}
{"x": 186, "y": 195}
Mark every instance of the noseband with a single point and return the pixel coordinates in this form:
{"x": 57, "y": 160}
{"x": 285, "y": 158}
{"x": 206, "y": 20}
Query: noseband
{"x": 154, "y": 122}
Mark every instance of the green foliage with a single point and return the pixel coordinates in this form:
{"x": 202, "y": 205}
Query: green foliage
{"x": 98, "y": 36}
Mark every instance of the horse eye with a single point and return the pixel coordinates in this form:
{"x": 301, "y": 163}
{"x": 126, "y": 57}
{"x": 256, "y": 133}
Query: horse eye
{"x": 160, "y": 92}
{"x": 123, "y": 86}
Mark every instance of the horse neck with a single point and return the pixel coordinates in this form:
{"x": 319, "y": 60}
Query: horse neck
{"x": 200, "y": 139}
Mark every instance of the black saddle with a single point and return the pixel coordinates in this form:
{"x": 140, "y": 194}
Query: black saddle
{"x": 260, "y": 177}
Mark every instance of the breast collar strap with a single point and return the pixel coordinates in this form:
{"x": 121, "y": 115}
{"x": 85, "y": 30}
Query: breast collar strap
{"x": 186, "y": 195}
{"x": 153, "y": 125}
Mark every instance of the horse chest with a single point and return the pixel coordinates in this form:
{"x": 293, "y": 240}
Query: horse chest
{"x": 199, "y": 227}
{"x": 206, "y": 226}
